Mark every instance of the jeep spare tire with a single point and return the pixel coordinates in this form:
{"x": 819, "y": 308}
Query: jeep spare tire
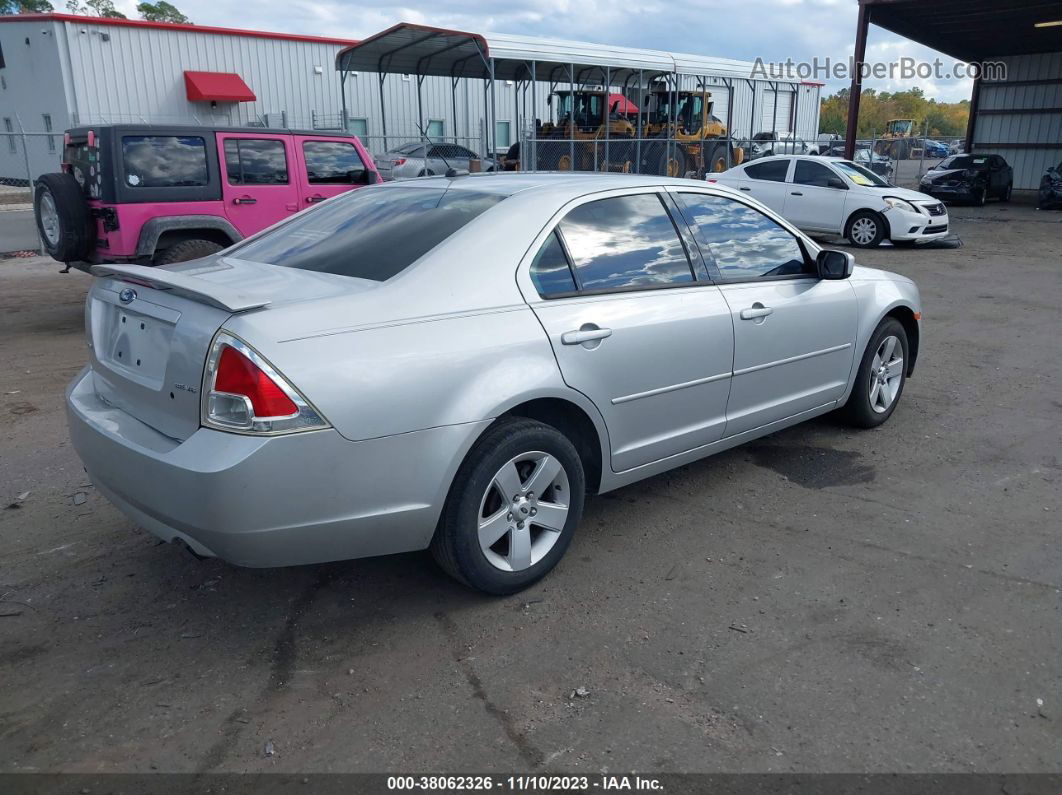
{"x": 63, "y": 218}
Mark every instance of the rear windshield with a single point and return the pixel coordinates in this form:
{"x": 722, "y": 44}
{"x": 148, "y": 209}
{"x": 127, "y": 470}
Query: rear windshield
{"x": 372, "y": 233}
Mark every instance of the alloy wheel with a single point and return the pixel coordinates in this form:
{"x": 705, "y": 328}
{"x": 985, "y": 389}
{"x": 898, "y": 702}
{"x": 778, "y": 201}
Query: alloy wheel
{"x": 49, "y": 218}
{"x": 523, "y": 511}
{"x": 886, "y": 374}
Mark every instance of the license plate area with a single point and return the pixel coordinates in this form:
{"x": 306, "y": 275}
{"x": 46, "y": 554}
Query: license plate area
{"x": 134, "y": 341}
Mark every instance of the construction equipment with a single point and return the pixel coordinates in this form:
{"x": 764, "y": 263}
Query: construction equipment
{"x": 898, "y": 140}
{"x": 594, "y": 138}
{"x": 692, "y": 137}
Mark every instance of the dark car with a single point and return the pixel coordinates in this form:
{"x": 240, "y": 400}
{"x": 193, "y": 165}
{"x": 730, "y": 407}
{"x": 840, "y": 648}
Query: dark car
{"x": 1051, "y": 189}
{"x": 972, "y": 178}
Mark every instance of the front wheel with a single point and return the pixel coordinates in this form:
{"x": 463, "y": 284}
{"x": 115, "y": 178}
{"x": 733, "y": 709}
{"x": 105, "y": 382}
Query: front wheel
{"x": 866, "y": 229}
{"x": 513, "y": 508}
{"x": 980, "y": 196}
{"x": 881, "y": 376}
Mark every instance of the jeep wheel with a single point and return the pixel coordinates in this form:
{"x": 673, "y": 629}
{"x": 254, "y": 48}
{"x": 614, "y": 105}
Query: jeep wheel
{"x": 186, "y": 250}
{"x": 62, "y": 216}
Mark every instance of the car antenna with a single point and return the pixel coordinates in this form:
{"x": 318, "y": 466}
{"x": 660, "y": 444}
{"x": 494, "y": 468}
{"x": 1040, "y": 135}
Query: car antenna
{"x": 451, "y": 172}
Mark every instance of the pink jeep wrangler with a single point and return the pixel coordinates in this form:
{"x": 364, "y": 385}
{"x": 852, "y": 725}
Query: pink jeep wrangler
{"x": 153, "y": 195}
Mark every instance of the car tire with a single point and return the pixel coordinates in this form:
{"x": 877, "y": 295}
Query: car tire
{"x": 518, "y": 446}
{"x": 980, "y": 196}
{"x": 865, "y": 229}
{"x": 186, "y": 250}
{"x": 63, "y": 219}
{"x": 868, "y": 407}
{"x": 1005, "y": 196}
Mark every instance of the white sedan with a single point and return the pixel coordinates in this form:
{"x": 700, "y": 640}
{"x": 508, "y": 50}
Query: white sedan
{"x": 831, "y": 195}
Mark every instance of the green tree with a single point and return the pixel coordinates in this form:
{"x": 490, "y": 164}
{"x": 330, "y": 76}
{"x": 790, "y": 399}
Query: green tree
{"x": 95, "y": 8}
{"x": 25, "y": 7}
{"x": 942, "y": 119}
{"x": 161, "y": 12}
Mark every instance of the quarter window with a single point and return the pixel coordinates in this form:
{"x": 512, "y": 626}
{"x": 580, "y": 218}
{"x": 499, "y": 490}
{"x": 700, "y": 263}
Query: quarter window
{"x": 743, "y": 243}
{"x": 332, "y": 163}
{"x": 627, "y": 241}
{"x": 255, "y": 161}
{"x": 771, "y": 170}
{"x": 550, "y": 270}
{"x": 164, "y": 161}
{"x": 812, "y": 174}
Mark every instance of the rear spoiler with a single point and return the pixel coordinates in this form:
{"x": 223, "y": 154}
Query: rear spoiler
{"x": 201, "y": 290}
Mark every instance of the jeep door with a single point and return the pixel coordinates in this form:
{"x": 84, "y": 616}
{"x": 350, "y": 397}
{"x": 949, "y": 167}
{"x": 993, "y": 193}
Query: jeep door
{"x": 328, "y": 167}
{"x": 257, "y": 186}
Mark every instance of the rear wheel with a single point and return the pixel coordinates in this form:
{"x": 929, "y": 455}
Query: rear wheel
{"x": 881, "y": 376}
{"x": 1005, "y": 196}
{"x": 62, "y": 217}
{"x": 866, "y": 229}
{"x": 513, "y": 508}
{"x": 186, "y": 250}
{"x": 672, "y": 162}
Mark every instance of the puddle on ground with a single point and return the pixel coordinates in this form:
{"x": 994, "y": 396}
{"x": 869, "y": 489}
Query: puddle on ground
{"x": 813, "y": 467}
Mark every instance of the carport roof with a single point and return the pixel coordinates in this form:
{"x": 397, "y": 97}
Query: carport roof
{"x": 973, "y": 30}
{"x": 421, "y": 50}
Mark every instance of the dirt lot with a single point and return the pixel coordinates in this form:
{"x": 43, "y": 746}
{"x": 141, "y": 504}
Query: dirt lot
{"x": 822, "y": 600}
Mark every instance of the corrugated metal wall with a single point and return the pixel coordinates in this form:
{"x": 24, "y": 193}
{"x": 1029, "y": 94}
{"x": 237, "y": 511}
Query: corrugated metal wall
{"x": 1012, "y": 113}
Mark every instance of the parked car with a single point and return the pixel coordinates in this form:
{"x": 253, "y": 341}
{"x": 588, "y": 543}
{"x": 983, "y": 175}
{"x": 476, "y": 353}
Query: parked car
{"x": 1050, "y": 196}
{"x": 830, "y": 195}
{"x": 155, "y": 195}
{"x": 957, "y": 146}
{"x": 971, "y": 178}
{"x": 881, "y": 165}
{"x": 823, "y": 143}
{"x": 426, "y": 159}
{"x": 465, "y": 387}
{"x": 765, "y": 144}
{"x": 936, "y": 148}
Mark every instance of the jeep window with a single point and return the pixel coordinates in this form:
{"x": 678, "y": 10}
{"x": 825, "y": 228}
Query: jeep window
{"x": 386, "y": 229}
{"x": 332, "y": 163}
{"x": 164, "y": 161}
{"x": 255, "y": 161}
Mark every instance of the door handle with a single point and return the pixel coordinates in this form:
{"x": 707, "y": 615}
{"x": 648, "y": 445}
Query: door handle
{"x": 795, "y": 193}
{"x": 585, "y": 335}
{"x": 314, "y": 199}
{"x": 244, "y": 200}
{"x": 742, "y": 188}
{"x": 755, "y": 311}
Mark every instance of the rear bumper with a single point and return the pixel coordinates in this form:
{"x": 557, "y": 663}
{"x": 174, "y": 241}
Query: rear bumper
{"x": 274, "y": 501}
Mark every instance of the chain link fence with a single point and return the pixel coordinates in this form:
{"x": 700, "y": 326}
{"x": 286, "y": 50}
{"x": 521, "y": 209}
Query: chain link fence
{"x": 24, "y": 155}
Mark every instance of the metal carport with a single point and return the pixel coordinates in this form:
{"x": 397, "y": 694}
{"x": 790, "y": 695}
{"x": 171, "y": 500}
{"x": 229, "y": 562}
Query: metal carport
{"x": 1019, "y": 116}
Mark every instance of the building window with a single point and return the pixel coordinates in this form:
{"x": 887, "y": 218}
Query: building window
{"x": 9, "y": 128}
{"x": 501, "y": 135}
{"x": 358, "y": 127}
{"x": 436, "y": 130}
{"x": 48, "y": 128}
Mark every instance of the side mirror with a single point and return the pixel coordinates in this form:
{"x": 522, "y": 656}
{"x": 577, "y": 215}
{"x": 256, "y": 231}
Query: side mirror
{"x": 836, "y": 182}
{"x": 834, "y": 264}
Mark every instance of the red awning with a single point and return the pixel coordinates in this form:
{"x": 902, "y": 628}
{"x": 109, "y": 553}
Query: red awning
{"x": 217, "y": 86}
{"x": 621, "y": 105}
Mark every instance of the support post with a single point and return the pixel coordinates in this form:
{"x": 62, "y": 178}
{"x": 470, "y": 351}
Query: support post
{"x": 383, "y": 112}
{"x": 493, "y": 114}
{"x": 971, "y": 123}
{"x": 534, "y": 121}
{"x": 862, "y": 25}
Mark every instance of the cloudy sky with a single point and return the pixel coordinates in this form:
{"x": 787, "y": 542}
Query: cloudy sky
{"x": 745, "y": 29}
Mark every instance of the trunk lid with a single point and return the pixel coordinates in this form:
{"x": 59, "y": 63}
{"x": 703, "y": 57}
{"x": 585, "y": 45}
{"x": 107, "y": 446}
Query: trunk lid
{"x": 150, "y": 329}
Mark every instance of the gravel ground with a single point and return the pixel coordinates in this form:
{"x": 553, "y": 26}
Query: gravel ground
{"x": 821, "y": 600}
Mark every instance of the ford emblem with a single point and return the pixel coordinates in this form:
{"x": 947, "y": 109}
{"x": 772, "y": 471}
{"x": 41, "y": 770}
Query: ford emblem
{"x": 127, "y": 296}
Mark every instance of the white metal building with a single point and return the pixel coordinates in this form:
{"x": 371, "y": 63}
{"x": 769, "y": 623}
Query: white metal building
{"x": 59, "y": 71}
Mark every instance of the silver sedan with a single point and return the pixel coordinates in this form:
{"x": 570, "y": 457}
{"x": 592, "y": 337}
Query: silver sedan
{"x": 455, "y": 364}
{"x": 428, "y": 160}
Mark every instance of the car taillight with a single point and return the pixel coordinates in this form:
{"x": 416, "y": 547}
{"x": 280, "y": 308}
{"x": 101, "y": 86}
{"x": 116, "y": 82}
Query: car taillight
{"x": 398, "y": 162}
{"x": 712, "y": 179}
{"x": 243, "y": 392}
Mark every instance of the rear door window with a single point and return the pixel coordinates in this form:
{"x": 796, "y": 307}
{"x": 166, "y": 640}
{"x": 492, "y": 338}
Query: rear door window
{"x": 369, "y": 234}
{"x": 255, "y": 161}
{"x": 164, "y": 161}
{"x": 625, "y": 242}
{"x": 813, "y": 174}
{"x": 550, "y": 269}
{"x": 332, "y": 163}
{"x": 771, "y": 170}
